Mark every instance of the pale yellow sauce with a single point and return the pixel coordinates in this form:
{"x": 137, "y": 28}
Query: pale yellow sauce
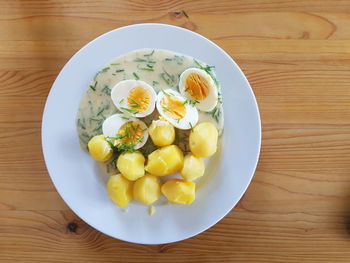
{"x": 159, "y": 68}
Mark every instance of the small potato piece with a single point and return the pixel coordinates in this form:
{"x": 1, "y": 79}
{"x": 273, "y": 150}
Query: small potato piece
{"x": 147, "y": 189}
{"x": 164, "y": 161}
{"x": 179, "y": 191}
{"x": 131, "y": 165}
{"x": 99, "y": 148}
{"x": 162, "y": 133}
{"x": 119, "y": 189}
{"x": 203, "y": 139}
{"x": 193, "y": 168}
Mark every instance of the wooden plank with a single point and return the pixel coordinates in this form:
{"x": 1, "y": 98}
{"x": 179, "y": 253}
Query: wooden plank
{"x": 39, "y": 7}
{"x": 252, "y": 25}
{"x": 265, "y": 236}
{"x": 279, "y": 55}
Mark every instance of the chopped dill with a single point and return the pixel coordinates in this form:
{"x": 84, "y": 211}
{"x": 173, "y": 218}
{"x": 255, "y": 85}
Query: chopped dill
{"x": 136, "y": 76}
{"x": 121, "y": 101}
{"x": 185, "y": 13}
{"x": 94, "y": 86}
{"x": 104, "y": 69}
{"x": 106, "y": 90}
{"x": 150, "y": 54}
{"x": 215, "y": 114}
{"x": 125, "y": 118}
{"x": 165, "y": 93}
{"x": 119, "y": 70}
{"x": 147, "y": 69}
{"x": 130, "y": 110}
{"x": 80, "y": 124}
{"x": 208, "y": 69}
{"x": 140, "y": 60}
{"x": 154, "y": 82}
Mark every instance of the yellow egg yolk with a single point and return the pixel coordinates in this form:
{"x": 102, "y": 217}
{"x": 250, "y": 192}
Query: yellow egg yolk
{"x": 197, "y": 86}
{"x": 173, "y": 107}
{"x": 139, "y": 99}
{"x": 130, "y": 133}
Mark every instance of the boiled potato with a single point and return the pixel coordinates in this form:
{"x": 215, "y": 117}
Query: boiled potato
{"x": 162, "y": 133}
{"x": 203, "y": 139}
{"x": 166, "y": 160}
{"x": 119, "y": 189}
{"x": 147, "y": 189}
{"x": 179, "y": 191}
{"x": 99, "y": 148}
{"x": 193, "y": 167}
{"x": 131, "y": 165}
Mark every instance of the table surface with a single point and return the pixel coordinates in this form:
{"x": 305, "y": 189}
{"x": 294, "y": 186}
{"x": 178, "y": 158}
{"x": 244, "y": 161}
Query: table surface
{"x": 296, "y": 55}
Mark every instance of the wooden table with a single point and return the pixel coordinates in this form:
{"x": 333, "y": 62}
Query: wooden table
{"x": 296, "y": 55}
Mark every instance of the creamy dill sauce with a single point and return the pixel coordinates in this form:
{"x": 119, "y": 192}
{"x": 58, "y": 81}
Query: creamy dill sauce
{"x": 159, "y": 68}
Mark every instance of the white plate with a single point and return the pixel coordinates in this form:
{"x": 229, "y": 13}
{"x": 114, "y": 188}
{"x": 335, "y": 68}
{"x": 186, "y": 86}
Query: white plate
{"x": 76, "y": 177}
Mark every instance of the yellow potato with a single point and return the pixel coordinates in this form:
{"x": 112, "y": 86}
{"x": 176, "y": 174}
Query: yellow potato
{"x": 147, "y": 189}
{"x": 166, "y": 160}
{"x": 179, "y": 191}
{"x": 99, "y": 148}
{"x": 193, "y": 168}
{"x": 203, "y": 139}
{"x": 162, "y": 133}
{"x": 131, "y": 165}
{"x": 119, "y": 190}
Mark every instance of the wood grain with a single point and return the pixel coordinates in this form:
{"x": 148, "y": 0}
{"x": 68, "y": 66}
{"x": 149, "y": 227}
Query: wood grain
{"x": 296, "y": 55}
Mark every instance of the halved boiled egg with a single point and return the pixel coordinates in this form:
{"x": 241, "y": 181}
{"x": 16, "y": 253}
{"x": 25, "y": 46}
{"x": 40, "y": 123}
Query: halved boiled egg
{"x": 134, "y": 97}
{"x": 122, "y": 129}
{"x": 176, "y": 109}
{"x": 197, "y": 85}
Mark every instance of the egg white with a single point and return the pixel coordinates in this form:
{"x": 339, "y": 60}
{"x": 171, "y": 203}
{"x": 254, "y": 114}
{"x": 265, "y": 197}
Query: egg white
{"x": 112, "y": 124}
{"x": 120, "y": 93}
{"x": 188, "y": 121}
{"x": 210, "y": 102}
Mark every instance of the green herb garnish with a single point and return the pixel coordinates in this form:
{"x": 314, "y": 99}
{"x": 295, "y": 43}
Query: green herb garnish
{"x": 94, "y": 86}
{"x": 130, "y": 110}
{"x": 185, "y": 13}
{"x": 215, "y": 114}
{"x": 126, "y": 147}
{"x": 191, "y": 126}
{"x": 80, "y": 124}
{"x": 165, "y": 93}
{"x": 136, "y": 76}
{"x": 147, "y": 69}
{"x": 140, "y": 60}
{"x": 125, "y": 118}
{"x": 155, "y": 83}
{"x": 121, "y": 101}
{"x": 106, "y": 90}
{"x": 105, "y": 69}
{"x": 119, "y": 70}
{"x": 150, "y": 54}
